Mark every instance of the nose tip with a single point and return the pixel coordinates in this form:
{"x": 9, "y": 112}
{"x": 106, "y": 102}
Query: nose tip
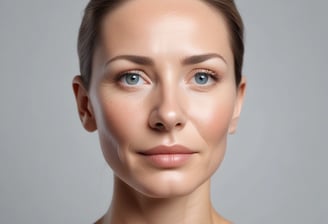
{"x": 168, "y": 106}
{"x": 166, "y": 118}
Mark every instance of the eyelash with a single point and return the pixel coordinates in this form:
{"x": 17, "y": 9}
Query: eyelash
{"x": 210, "y": 74}
{"x": 121, "y": 76}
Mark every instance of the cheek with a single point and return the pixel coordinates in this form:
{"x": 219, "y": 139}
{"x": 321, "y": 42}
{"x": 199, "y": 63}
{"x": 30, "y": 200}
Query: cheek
{"x": 119, "y": 117}
{"x": 212, "y": 118}
{"x": 119, "y": 120}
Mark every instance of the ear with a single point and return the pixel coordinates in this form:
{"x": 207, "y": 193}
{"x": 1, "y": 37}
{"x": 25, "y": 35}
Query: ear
{"x": 84, "y": 105}
{"x": 238, "y": 105}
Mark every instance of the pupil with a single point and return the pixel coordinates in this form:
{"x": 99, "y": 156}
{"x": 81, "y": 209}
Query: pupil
{"x": 201, "y": 78}
{"x": 132, "y": 79}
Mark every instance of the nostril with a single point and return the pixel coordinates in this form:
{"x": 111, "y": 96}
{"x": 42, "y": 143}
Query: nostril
{"x": 179, "y": 125}
{"x": 159, "y": 126}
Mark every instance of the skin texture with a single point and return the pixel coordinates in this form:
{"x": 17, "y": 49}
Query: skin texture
{"x": 167, "y": 105}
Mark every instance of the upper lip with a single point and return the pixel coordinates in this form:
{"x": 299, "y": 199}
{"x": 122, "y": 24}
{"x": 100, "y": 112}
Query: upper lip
{"x": 162, "y": 149}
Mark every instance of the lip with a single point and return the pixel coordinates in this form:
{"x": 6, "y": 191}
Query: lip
{"x": 162, "y": 149}
{"x": 168, "y": 156}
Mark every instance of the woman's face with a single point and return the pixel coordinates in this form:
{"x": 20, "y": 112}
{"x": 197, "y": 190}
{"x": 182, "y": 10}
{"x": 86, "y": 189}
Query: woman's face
{"x": 163, "y": 96}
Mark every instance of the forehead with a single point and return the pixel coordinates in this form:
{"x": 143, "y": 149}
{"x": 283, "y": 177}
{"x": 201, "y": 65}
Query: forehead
{"x": 149, "y": 24}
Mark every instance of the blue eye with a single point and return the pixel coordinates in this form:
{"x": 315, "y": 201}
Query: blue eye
{"x": 131, "y": 79}
{"x": 202, "y": 78}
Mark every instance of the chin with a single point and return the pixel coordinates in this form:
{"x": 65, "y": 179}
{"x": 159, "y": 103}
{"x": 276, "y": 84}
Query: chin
{"x": 169, "y": 184}
{"x": 167, "y": 193}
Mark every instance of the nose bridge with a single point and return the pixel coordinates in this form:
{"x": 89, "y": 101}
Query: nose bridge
{"x": 168, "y": 104}
{"x": 168, "y": 111}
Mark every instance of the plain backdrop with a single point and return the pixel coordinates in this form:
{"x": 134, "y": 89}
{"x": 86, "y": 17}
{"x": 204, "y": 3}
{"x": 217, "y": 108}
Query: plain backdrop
{"x": 275, "y": 170}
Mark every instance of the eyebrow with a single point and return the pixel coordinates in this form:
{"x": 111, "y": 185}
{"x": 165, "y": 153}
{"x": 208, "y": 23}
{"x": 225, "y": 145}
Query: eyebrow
{"x": 195, "y": 59}
{"x": 142, "y": 60}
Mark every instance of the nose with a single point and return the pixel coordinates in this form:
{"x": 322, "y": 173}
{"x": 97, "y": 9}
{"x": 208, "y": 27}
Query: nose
{"x": 167, "y": 113}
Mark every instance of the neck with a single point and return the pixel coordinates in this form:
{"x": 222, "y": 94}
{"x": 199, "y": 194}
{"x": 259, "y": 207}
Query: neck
{"x": 131, "y": 207}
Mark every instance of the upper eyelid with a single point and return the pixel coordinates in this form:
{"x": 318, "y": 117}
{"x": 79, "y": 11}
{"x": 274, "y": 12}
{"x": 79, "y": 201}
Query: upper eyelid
{"x": 131, "y": 71}
{"x": 212, "y": 73}
{"x": 139, "y": 72}
{"x": 205, "y": 70}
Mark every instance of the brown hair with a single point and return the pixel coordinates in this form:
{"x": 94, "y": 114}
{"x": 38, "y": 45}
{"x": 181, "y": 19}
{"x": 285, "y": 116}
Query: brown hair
{"x": 96, "y": 9}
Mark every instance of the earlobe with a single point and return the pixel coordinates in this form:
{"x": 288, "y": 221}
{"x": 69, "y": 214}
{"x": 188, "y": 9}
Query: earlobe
{"x": 83, "y": 105}
{"x": 238, "y": 105}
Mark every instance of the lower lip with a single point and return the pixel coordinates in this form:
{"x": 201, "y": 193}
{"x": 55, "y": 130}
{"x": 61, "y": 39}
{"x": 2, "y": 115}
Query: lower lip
{"x": 168, "y": 160}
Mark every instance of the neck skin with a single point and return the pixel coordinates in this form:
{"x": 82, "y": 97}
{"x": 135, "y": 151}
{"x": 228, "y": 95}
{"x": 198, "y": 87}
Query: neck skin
{"x": 131, "y": 207}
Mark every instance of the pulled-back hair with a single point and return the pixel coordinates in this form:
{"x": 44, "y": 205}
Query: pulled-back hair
{"x": 96, "y": 10}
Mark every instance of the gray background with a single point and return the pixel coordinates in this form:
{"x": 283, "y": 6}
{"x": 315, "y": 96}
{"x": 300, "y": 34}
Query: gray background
{"x": 275, "y": 170}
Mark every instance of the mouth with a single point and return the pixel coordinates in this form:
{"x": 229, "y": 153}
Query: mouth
{"x": 168, "y": 156}
{"x": 161, "y": 150}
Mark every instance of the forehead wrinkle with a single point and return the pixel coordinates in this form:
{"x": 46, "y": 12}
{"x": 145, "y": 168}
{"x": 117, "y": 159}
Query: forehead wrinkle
{"x": 130, "y": 27}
